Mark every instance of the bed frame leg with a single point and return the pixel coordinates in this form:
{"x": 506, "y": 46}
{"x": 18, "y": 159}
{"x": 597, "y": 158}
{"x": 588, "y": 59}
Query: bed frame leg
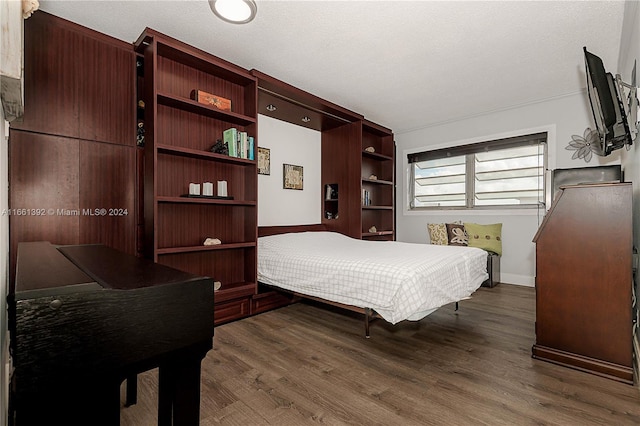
{"x": 456, "y": 306}
{"x": 367, "y": 313}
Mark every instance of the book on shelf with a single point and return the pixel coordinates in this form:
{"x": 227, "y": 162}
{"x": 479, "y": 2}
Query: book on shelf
{"x": 243, "y": 144}
{"x": 240, "y": 144}
{"x": 230, "y": 137}
{"x": 366, "y": 198}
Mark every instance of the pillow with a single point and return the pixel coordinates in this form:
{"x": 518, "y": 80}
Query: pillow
{"x": 438, "y": 233}
{"x": 486, "y": 237}
{"x": 456, "y": 235}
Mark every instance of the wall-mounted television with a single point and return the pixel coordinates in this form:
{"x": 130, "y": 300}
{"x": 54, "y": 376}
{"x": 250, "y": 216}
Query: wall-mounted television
{"x": 615, "y": 115}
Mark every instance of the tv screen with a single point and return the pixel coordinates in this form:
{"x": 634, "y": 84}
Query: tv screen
{"x": 606, "y": 104}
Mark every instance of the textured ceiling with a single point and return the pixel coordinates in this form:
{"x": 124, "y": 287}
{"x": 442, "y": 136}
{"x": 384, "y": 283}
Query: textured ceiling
{"x": 402, "y": 64}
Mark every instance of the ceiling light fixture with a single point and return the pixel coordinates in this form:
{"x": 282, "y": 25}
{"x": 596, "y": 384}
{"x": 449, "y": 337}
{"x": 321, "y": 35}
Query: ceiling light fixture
{"x": 234, "y": 11}
{"x": 306, "y": 119}
{"x": 271, "y": 107}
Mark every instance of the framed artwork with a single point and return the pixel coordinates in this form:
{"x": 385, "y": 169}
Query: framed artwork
{"x": 264, "y": 161}
{"x": 292, "y": 176}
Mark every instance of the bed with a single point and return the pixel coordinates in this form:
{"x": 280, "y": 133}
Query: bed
{"x": 397, "y": 281}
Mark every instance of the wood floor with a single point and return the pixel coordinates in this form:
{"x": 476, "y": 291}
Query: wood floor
{"x": 306, "y": 364}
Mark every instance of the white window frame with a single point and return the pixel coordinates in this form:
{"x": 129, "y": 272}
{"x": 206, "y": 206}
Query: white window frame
{"x": 404, "y": 196}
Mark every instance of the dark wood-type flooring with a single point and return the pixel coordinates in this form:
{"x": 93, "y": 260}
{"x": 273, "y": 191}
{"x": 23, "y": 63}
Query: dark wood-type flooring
{"x": 306, "y": 364}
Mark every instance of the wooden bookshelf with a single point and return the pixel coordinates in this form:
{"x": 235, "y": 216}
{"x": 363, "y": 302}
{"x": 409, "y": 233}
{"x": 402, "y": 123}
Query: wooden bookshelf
{"x": 345, "y": 164}
{"x": 179, "y": 135}
{"x": 378, "y": 180}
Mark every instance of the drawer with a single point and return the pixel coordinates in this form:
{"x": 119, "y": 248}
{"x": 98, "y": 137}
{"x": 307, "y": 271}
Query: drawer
{"x": 231, "y": 310}
{"x": 267, "y": 301}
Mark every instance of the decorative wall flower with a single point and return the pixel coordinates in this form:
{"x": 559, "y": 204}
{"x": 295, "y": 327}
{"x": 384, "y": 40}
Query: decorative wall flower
{"x": 585, "y": 146}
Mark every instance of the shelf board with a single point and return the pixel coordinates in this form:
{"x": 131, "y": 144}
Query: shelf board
{"x": 196, "y": 58}
{"x": 190, "y": 249}
{"x": 376, "y": 156}
{"x": 376, "y": 234}
{"x": 190, "y": 105}
{"x": 377, "y": 207}
{"x": 205, "y": 155}
{"x": 375, "y": 129}
{"x": 377, "y": 181}
{"x": 186, "y": 200}
{"x": 193, "y": 57}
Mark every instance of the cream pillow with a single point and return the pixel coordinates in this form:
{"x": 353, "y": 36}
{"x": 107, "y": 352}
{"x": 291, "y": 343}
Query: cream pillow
{"x": 438, "y": 233}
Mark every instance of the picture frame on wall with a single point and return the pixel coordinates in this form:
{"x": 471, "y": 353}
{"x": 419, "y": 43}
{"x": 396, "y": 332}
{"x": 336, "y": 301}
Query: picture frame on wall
{"x": 292, "y": 177}
{"x": 264, "y": 161}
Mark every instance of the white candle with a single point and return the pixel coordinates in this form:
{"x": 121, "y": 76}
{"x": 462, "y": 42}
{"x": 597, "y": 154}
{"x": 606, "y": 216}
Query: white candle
{"x": 207, "y": 189}
{"x": 194, "y": 189}
{"x": 222, "y": 188}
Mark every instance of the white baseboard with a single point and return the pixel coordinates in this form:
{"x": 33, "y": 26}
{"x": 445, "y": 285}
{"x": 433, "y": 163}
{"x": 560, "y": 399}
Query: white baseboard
{"x": 522, "y": 280}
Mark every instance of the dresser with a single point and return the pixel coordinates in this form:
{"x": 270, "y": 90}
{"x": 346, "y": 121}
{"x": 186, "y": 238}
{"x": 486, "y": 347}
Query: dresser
{"x": 584, "y": 281}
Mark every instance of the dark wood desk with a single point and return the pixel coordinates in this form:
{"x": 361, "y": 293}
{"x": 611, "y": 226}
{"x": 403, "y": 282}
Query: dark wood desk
{"x": 84, "y": 318}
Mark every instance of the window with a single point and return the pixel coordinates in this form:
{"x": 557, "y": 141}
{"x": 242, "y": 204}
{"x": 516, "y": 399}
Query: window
{"x": 500, "y": 173}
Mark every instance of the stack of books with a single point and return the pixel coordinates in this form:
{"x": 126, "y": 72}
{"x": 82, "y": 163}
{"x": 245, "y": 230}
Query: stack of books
{"x": 366, "y": 198}
{"x": 240, "y": 144}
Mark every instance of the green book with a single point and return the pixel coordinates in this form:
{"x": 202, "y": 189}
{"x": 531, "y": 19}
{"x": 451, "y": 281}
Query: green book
{"x": 230, "y": 137}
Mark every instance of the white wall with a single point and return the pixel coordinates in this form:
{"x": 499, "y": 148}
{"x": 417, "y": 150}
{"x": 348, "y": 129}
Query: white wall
{"x": 630, "y": 52}
{"x": 561, "y": 117}
{"x": 4, "y": 268}
{"x": 289, "y": 144}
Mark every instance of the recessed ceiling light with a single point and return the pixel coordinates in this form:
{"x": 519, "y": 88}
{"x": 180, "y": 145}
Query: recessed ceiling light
{"x": 306, "y": 119}
{"x": 271, "y": 107}
{"x": 234, "y": 11}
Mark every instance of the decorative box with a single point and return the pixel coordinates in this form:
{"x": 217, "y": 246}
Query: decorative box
{"x": 209, "y": 99}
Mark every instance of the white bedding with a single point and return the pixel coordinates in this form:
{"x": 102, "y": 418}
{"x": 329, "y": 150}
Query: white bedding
{"x": 400, "y": 281}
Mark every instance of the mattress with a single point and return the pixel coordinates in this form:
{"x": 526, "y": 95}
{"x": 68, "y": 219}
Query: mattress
{"x": 400, "y": 281}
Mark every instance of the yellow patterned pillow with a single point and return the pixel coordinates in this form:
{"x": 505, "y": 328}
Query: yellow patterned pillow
{"x": 438, "y": 233}
{"x": 486, "y": 237}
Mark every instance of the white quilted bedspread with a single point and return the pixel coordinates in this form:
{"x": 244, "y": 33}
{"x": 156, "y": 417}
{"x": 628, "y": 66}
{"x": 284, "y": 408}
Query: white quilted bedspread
{"x": 400, "y": 281}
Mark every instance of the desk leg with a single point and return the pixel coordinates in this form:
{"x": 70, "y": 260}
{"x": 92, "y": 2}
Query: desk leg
{"x": 179, "y": 392}
{"x": 186, "y": 406}
{"x": 132, "y": 390}
{"x": 166, "y": 390}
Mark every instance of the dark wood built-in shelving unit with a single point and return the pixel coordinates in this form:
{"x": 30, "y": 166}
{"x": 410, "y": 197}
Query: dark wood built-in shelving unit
{"x": 80, "y": 146}
{"x": 380, "y": 163}
{"x": 75, "y": 146}
{"x": 179, "y": 135}
{"x": 344, "y": 137}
